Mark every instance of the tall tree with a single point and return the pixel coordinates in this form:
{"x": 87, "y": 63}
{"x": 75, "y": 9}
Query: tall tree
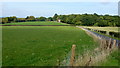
{"x": 49, "y": 19}
{"x": 30, "y": 18}
{"x": 42, "y": 19}
{"x": 4, "y": 20}
{"x": 55, "y": 17}
{"x": 12, "y": 19}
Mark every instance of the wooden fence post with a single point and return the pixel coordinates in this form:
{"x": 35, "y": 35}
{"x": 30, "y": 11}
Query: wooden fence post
{"x": 72, "y": 59}
{"x": 118, "y": 45}
{"x": 109, "y": 44}
{"x": 114, "y": 44}
{"x": 107, "y": 32}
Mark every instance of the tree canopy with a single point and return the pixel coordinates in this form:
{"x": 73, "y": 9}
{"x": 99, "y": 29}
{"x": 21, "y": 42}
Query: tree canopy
{"x": 90, "y": 20}
{"x": 73, "y": 19}
{"x": 55, "y": 17}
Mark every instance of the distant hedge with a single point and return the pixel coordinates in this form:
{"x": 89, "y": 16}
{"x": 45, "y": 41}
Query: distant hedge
{"x": 104, "y": 32}
{"x": 115, "y": 34}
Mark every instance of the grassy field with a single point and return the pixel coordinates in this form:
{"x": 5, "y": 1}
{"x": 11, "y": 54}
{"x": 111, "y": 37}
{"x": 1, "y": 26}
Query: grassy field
{"x": 113, "y": 29}
{"x": 36, "y": 23}
{"x": 42, "y": 46}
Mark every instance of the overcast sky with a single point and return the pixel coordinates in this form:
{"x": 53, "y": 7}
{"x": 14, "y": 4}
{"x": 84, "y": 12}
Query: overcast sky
{"x": 37, "y": 9}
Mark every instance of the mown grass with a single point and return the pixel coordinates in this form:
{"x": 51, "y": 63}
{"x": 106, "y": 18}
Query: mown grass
{"x": 36, "y": 23}
{"x": 42, "y": 46}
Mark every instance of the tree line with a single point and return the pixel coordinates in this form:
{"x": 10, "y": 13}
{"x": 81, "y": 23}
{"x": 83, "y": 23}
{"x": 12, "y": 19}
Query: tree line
{"x": 90, "y": 20}
{"x": 28, "y": 18}
{"x": 73, "y": 19}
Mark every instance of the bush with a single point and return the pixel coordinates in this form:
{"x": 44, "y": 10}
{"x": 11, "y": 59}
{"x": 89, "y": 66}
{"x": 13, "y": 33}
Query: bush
{"x": 116, "y": 34}
{"x": 104, "y": 32}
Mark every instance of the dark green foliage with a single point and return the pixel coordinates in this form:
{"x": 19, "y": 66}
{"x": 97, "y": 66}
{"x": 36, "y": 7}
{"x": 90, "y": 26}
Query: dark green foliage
{"x": 30, "y": 18}
{"x": 49, "y": 19}
{"x": 103, "y": 23}
{"x": 74, "y": 19}
{"x": 20, "y": 20}
{"x": 14, "y": 18}
{"x": 90, "y": 20}
{"x": 55, "y": 17}
{"x": 41, "y": 19}
{"x": 8, "y": 19}
{"x": 62, "y": 18}
{"x": 88, "y": 28}
{"x": 69, "y": 19}
{"x": 115, "y": 34}
{"x": 104, "y": 32}
{"x": 4, "y": 20}
{"x": 78, "y": 23}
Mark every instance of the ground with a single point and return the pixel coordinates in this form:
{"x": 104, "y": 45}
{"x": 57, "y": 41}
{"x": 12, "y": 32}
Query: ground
{"x": 45, "y": 45}
{"x": 42, "y": 45}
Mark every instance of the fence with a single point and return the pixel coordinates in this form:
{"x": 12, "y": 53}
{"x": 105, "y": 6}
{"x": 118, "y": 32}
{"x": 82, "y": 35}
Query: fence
{"x": 107, "y": 45}
{"x": 113, "y": 34}
{"x": 91, "y": 58}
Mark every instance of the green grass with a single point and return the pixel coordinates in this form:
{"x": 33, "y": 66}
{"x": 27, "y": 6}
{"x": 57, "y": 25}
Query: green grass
{"x": 42, "y": 46}
{"x": 36, "y": 23}
{"x": 112, "y": 60}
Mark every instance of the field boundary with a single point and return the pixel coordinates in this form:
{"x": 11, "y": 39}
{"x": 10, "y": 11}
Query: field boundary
{"x": 99, "y": 54}
{"x": 100, "y": 36}
{"x": 36, "y": 25}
